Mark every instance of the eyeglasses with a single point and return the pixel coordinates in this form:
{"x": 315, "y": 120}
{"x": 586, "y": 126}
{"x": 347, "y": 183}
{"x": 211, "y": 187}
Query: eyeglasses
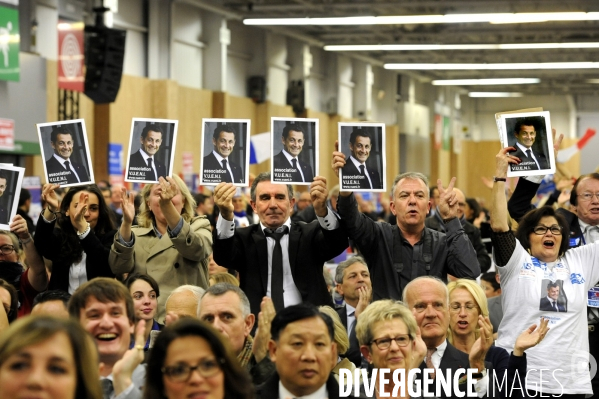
{"x": 385, "y": 343}
{"x": 542, "y": 230}
{"x": 469, "y": 307}
{"x": 588, "y": 196}
{"x": 7, "y": 249}
{"x": 182, "y": 372}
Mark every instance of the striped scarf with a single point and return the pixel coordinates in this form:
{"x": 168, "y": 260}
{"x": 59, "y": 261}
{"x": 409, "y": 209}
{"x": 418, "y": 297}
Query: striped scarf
{"x": 246, "y": 354}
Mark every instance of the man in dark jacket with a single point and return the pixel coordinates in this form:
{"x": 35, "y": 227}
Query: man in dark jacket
{"x": 397, "y": 255}
{"x": 436, "y": 223}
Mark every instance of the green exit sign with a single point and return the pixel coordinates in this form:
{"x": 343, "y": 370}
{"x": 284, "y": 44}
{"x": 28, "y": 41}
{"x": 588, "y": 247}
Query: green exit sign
{"x": 9, "y": 44}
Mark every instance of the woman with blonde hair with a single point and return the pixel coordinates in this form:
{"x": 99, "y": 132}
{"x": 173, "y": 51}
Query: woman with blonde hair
{"x": 169, "y": 244}
{"x": 389, "y": 339}
{"x": 223, "y": 278}
{"x": 341, "y": 339}
{"x": 48, "y": 357}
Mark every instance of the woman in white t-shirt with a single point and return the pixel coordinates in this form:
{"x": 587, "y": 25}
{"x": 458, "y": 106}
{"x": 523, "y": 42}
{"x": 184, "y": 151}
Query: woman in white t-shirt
{"x": 541, "y": 278}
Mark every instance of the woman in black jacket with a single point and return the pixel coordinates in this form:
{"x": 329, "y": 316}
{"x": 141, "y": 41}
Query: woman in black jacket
{"x": 76, "y": 237}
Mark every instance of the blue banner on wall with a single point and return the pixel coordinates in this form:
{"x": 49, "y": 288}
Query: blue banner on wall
{"x": 115, "y": 159}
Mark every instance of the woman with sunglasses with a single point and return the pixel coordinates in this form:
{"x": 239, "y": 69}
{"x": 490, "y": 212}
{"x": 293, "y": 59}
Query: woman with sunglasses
{"x": 189, "y": 359}
{"x": 541, "y": 277}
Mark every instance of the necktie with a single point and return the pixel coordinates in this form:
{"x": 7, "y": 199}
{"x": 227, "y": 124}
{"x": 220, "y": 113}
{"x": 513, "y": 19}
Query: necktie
{"x": 107, "y": 388}
{"x": 150, "y": 175}
{"x": 593, "y": 233}
{"x": 227, "y": 176}
{"x": 555, "y": 306}
{"x": 429, "y": 359}
{"x": 297, "y": 176}
{"x": 276, "y": 278}
{"x": 353, "y": 323}
{"x": 71, "y": 178}
{"x": 529, "y": 156}
{"x": 365, "y": 183}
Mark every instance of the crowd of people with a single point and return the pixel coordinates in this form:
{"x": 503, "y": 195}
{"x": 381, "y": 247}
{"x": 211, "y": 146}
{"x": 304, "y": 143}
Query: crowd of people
{"x": 167, "y": 294}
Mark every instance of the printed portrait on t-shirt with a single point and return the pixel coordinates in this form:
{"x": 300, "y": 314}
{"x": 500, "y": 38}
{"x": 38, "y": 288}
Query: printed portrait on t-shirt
{"x": 553, "y": 297}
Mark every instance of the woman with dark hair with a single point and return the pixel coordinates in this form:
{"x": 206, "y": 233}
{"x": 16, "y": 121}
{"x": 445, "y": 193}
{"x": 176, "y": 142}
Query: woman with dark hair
{"x": 145, "y": 292}
{"x": 190, "y": 358}
{"x": 541, "y": 277}
{"x": 8, "y": 300}
{"x": 46, "y": 357}
{"x": 75, "y": 235}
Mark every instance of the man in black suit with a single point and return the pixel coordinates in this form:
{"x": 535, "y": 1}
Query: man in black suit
{"x": 4, "y": 207}
{"x": 354, "y": 285}
{"x": 278, "y": 258}
{"x": 356, "y": 174}
{"x": 302, "y": 370}
{"x": 550, "y": 302}
{"x": 60, "y": 168}
{"x": 143, "y": 164}
{"x": 525, "y": 133}
{"x": 428, "y": 299}
{"x": 217, "y": 165}
{"x": 286, "y": 164}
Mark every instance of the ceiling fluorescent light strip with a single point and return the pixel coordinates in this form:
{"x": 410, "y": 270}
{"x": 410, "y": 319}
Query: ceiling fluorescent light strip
{"x": 493, "y": 67}
{"x": 493, "y": 94}
{"x": 496, "y": 18}
{"x": 433, "y": 47}
{"x": 475, "y": 82}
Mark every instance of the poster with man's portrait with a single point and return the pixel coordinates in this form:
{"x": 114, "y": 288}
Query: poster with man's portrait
{"x": 530, "y": 135}
{"x": 151, "y": 149}
{"x": 363, "y": 145}
{"x": 11, "y": 179}
{"x": 294, "y": 150}
{"x": 226, "y": 152}
{"x": 65, "y": 153}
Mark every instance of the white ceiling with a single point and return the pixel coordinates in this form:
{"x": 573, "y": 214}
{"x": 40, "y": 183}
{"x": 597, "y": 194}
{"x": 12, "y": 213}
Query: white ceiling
{"x": 552, "y": 81}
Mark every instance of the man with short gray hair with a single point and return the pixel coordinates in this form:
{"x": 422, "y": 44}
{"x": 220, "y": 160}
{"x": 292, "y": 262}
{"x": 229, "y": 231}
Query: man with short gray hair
{"x": 227, "y": 308}
{"x": 354, "y": 285}
{"x": 397, "y": 255}
{"x": 184, "y": 301}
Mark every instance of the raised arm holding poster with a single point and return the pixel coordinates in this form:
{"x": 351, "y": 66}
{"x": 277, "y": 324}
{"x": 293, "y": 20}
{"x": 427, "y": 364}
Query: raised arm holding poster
{"x": 226, "y": 147}
{"x": 11, "y": 180}
{"x": 364, "y": 147}
{"x": 151, "y": 149}
{"x": 294, "y": 150}
{"x": 65, "y": 153}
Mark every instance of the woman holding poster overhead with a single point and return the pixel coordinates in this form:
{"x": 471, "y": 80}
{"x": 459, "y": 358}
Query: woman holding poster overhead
{"x": 541, "y": 277}
{"x": 75, "y": 236}
{"x": 170, "y": 244}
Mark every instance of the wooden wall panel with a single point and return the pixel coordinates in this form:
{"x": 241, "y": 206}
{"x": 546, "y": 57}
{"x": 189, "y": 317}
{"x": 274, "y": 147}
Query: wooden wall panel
{"x": 261, "y": 124}
{"x": 134, "y": 101}
{"x": 392, "y": 154}
{"x": 194, "y": 105}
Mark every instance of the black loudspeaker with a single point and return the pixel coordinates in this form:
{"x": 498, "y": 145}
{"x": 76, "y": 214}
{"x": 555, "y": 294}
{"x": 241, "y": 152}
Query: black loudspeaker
{"x": 104, "y": 56}
{"x": 257, "y": 88}
{"x": 295, "y": 96}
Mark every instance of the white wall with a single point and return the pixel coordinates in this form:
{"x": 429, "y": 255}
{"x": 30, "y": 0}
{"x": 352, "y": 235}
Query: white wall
{"x": 47, "y": 32}
{"x": 133, "y": 12}
{"x": 187, "y": 47}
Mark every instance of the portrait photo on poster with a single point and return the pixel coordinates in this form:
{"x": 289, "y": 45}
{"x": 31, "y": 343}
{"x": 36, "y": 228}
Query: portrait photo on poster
{"x": 65, "y": 152}
{"x": 294, "y": 150}
{"x": 530, "y": 134}
{"x": 363, "y": 145}
{"x": 11, "y": 180}
{"x": 225, "y": 152}
{"x": 151, "y": 149}
{"x": 553, "y": 297}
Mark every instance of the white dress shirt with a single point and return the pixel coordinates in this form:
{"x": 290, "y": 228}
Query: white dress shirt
{"x": 62, "y": 161}
{"x": 146, "y": 156}
{"x": 291, "y": 295}
{"x": 358, "y": 164}
{"x": 220, "y": 160}
{"x": 289, "y": 158}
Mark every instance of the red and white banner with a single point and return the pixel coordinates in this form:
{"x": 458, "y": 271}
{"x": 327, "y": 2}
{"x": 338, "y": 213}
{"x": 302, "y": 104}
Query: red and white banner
{"x": 70, "y": 56}
{"x": 7, "y": 134}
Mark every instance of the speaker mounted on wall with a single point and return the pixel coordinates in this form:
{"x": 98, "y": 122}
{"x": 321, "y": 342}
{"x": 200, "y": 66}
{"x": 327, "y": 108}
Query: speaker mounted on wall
{"x": 104, "y": 56}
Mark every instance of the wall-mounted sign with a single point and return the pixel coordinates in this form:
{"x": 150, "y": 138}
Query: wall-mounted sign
{"x": 9, "y": 44}
{"x": 70, "y": 56}
{"x": 7, "y": 134}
